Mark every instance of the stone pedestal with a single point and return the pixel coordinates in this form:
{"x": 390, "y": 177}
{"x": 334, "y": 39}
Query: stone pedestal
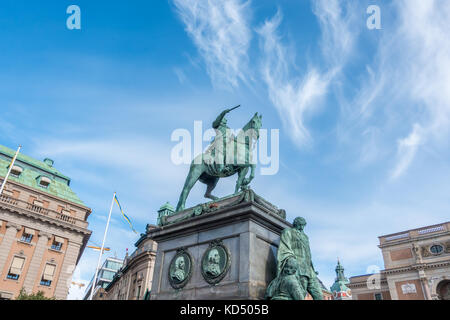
{"x": 245, "y": 225}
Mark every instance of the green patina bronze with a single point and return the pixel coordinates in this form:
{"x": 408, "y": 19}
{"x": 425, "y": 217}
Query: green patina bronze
{"x": 215, "y": 262}
{"x": 227, "y": 155}
{"x": 180, "y": 269}
{"x": 33, "y": 170}
{"x": 294, "y": 245}
{"x": 340, "y": 284}
{"x": 289, "y": 288}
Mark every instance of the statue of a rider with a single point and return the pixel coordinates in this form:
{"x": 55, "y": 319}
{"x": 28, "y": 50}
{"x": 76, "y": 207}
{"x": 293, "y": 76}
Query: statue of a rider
{"x": 216, "y": 154}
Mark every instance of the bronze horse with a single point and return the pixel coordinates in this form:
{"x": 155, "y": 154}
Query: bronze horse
{"x": 209, "y": 172}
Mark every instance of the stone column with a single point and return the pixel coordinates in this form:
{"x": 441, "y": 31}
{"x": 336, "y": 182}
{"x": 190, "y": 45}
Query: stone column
{"x": 426, "y": 289}
{"x": 67, "y": 269}
{"x": 36, "y": 261}
{"x": 425, "y": 286}
{"x": 5, "y": 247}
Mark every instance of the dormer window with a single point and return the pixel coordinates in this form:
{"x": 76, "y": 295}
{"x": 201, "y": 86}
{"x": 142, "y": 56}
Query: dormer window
{"x": 16, "y": 170}
{"x": 44, "y": 181}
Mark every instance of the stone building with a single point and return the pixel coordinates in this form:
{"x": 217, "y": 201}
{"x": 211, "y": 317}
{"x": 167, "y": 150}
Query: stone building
{"x": 417, "y": 267}
{"x": 134, "y": 280}
{"x": 43, "y": 228}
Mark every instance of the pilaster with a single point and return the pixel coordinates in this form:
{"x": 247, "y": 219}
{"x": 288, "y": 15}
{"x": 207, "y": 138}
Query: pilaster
{"x": 36, "y": 261}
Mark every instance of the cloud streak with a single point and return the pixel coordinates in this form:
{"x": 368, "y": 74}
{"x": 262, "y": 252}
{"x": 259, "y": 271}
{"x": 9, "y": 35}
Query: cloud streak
{"x": 407, "y": 86}
{"x": 220, "y": 31}
{"x": 297, "y": 96}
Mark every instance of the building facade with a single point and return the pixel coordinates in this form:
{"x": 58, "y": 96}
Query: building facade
{"x": 43, "y": 228}
{"x": 417, "y": 267}
{"x": 134, "y": 280}
{"x": 105, "y": 275}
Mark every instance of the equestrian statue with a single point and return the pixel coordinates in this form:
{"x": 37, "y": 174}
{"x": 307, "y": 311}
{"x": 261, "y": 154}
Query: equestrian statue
{"x": 228, "y": 154}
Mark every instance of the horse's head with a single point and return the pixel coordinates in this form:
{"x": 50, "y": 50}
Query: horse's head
{"x": 254, "y": 124}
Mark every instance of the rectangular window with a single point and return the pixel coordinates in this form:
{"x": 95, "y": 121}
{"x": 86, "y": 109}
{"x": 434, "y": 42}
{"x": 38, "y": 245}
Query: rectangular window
{"x": 16, "y": 268}
{"x": 56, "y": 246}
{"x": 27, "y": 235}
{"x": 47, "y": 277}
{"x": 57, "y": 243}
{"x": 138, "y": 292}
{"x": 378, "y": 296}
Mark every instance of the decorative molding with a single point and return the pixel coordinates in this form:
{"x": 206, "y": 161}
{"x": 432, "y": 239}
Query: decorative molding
{"x": 245, "y": 196}
{"x": 14, "y": 225}
{"x": 45, "y": 234}
{"x": 45, "y": 219}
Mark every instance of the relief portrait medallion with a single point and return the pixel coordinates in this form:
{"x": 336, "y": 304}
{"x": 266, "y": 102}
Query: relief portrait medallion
{"x": 180, "y": 269}
{"x": 215, "y": 262}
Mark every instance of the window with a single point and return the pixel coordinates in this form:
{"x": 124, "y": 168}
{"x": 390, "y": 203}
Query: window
{"x": 138, "y": 292}
{"x": 436, "y": 249}
{"x": 108, "y": 275}
{"x": 378, "y": 296}
{"x": 16, "y": 170}
{"x": 57, "y": 243}
{"x": 16, "y": 268}
{"x": 27, "y": 235}
{"x": 47, "y": 276}
{"x": 43, "y": 181}
{"x": 113, "y": 265}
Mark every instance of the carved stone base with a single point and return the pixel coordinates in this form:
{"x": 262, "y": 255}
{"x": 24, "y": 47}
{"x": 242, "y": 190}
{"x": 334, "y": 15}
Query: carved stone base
{"x": 232, "y": 243}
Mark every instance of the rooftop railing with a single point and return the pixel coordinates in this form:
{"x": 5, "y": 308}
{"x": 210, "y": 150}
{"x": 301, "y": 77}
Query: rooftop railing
{"x": 41, "y": 210}
{"x": 411, "y": 234}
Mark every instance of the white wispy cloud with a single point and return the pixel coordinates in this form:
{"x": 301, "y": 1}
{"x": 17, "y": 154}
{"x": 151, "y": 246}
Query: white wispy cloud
{"x": 220, "y": 31}
{"x": 407, "y": 149}
{"x": 295, "y": 96}
{"x": 407, "y": 87}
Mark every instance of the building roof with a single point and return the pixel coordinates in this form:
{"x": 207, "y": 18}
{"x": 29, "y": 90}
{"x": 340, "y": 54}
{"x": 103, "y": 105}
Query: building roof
{"x": 340, "y": 284}
{"x": 34, "y": 169}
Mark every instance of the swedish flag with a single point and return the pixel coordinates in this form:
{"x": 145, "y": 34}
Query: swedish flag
{"x": 123, "y": 214}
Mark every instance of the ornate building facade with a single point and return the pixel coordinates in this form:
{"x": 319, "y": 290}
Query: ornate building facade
{"x": 43, "y": 228}
{"x": 134, "y": 280}
{"x": 417, "y": 267}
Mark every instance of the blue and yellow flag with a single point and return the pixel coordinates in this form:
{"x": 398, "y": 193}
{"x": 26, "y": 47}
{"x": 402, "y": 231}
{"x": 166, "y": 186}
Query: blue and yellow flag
{"x": 124, "y": 215}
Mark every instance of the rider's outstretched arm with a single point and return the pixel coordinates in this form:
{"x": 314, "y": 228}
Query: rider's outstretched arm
{"x": 217, "y": 122}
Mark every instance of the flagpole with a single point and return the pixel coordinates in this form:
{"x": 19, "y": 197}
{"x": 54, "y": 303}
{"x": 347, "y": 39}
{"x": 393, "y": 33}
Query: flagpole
{"x": 9, "y": 170}
{"x": 101, "y": 250}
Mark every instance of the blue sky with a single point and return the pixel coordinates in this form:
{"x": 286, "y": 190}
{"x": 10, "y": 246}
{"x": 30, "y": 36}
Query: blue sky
{"x": 364, "y": 115}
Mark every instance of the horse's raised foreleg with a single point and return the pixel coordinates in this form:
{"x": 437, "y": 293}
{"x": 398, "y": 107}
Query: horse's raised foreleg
{"x": 194, "y": 173}
{"x": 241, "y": 176}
